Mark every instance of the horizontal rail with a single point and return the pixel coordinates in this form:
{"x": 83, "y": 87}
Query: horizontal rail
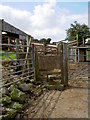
{"x": 5, "y": 53}
{"x": 8, "y": 84}
{"x": 12, "y": 73}
{"x": 78, "y": 70}
{"x": 18, "y": 76}
{"x": 15, "y": 66}
{"x": 79, "y": 55}
{"x": 16, "y": 60}
{"x": 75, "y": 47}
{"x": 16, "y": 45}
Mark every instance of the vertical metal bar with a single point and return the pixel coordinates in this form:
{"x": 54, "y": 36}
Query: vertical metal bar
{"x": 28, "y": 48}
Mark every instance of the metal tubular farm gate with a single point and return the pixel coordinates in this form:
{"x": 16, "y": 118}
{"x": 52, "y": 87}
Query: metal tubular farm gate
{"x": 78, "y": 63}
{"x": 16, "y": 58}
{"x": 51, "y": 63}
{"x": 17, "y": 65}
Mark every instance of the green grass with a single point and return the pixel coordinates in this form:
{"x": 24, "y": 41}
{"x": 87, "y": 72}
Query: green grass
{"x": 4, "y": 56}
{"x": 88, "y": 55}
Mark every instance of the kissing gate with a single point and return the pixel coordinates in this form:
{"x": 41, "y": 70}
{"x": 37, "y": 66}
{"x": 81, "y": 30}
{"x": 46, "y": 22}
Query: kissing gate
{"x": 16, "y": 56}
{"x": 51, "y": 65}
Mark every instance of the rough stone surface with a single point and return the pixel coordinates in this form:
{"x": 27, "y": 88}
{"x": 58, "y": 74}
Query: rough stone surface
{"x": 4, "y": 91}
{"x": 24, "y": 87}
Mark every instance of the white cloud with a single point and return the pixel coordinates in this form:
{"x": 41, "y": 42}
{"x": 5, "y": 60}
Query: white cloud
{"x": 46, "y": 20}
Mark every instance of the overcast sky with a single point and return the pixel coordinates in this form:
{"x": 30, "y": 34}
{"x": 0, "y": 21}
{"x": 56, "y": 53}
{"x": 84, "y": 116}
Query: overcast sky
{"x": 44, "y": 19}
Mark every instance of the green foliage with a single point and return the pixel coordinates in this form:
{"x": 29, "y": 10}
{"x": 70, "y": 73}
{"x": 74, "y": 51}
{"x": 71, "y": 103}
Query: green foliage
{"x": 81, "y": 29}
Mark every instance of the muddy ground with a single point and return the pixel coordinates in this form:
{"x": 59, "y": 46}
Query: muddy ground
{"x": 70, "y": 103}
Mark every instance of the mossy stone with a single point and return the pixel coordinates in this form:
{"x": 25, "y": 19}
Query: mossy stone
{"x": 10, "y": 114}
{"x": 12, "y": 87}
{"x": 17, "y": 106}
{"x": 5, "y": 100}
{"x": 18, "y": 95}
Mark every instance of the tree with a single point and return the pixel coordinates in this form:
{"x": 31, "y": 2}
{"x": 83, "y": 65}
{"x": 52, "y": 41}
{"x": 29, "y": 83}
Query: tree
{"x": 35, "y": 40}
{"x": 75, "y": 29}
{"x": 48, "y": 40}
{"x": 45, "y": 41}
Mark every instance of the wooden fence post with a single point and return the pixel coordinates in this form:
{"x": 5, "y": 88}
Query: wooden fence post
{"x": 27, "y": 54}
{"x": 36, "y": 64}
{"x": 17, "y": 48}
{"x": 61, "y": 63}
{"x": 65, "y": 64}
{"x": 8, "y": 43}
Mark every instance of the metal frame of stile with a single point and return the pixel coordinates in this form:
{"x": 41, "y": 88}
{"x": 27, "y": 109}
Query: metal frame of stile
{"x": 20, "y": 68}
